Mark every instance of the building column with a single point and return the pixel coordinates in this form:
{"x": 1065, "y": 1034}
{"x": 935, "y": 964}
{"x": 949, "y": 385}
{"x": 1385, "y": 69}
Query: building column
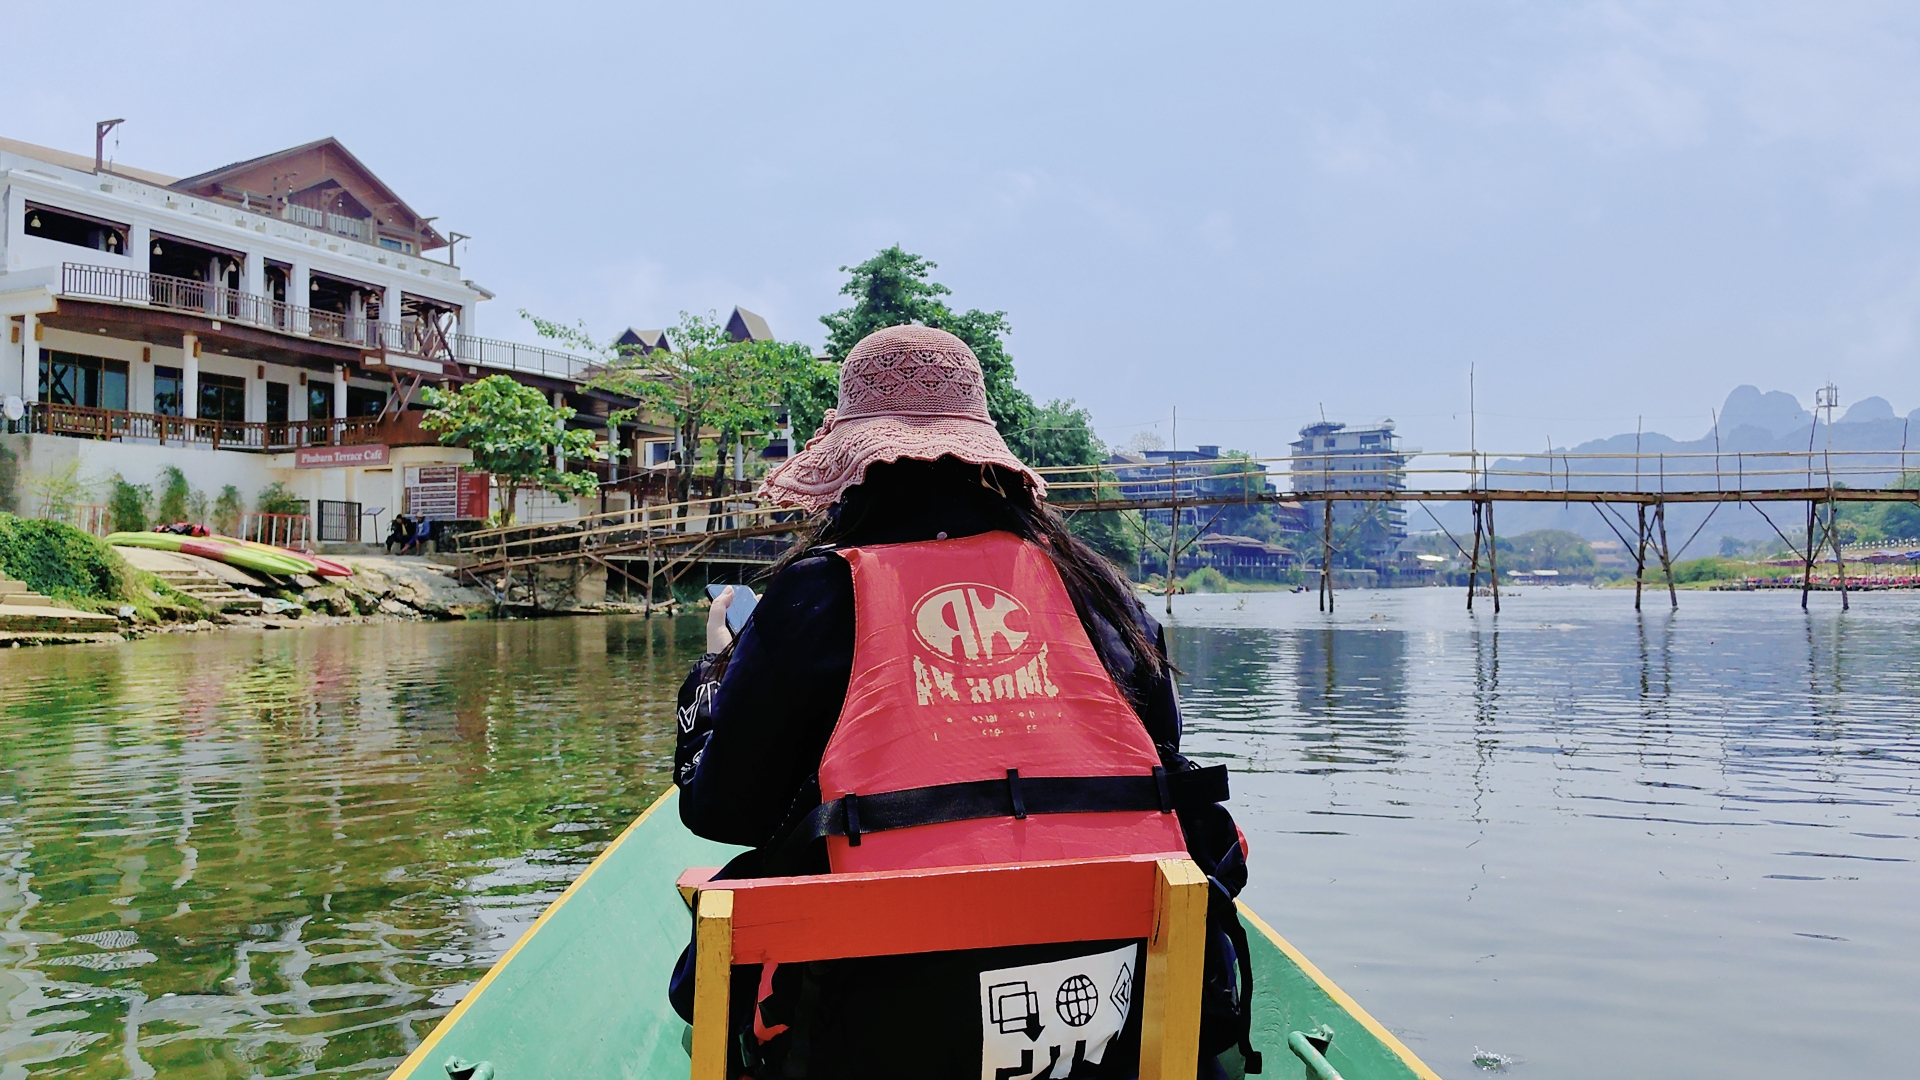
{"x": 253, "y": 274}
{"x": 390, "y": 316}
{"x": 190, "y": 376}
{"x": 559, "y": 458}
{"x": 357, "y": 317}
{"x": 140, "y": 247}
{"x": 29, "y": 358}
{"x": 340, "y": 393}
{"x": 299, "y": 298}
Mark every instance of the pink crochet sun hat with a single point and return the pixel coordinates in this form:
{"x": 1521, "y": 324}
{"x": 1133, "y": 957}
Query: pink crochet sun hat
{"x": 905, "y": 392}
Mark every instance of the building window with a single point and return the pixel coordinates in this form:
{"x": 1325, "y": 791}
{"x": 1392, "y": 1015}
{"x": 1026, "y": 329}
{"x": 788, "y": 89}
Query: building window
{"x": 364, "y": 402}
{"x": 223, "y": 397}
{"x": 66, "y": 227}
{"x": 276, "y": 403}
{"x": 88, "y": 381}
{"x": 391, "y": 244}
{"x": 167, "y": 387}
{"x": 319, "y": 400}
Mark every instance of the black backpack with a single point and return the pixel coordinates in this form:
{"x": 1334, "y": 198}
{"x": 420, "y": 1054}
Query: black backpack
{"x": 1226, "y": 989}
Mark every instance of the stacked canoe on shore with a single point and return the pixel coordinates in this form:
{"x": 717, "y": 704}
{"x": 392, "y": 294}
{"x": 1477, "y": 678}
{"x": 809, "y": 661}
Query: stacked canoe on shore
{"x": 245, "y": 554}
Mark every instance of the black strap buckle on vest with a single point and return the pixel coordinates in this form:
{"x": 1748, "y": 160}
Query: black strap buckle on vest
{"x": 1015, "y": 796}
{"x": 851, "y": 817}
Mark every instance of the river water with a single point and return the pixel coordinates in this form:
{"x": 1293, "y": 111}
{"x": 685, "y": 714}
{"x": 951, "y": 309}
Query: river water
{"x": 1592, "y": 843}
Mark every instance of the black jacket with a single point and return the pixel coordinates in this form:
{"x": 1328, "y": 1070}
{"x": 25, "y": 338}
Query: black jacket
{"x": 750, "y": 743}
{"x": 747, "y": 762}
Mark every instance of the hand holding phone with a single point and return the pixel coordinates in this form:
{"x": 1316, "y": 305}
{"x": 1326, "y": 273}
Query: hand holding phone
{"x": 731, "y": 606}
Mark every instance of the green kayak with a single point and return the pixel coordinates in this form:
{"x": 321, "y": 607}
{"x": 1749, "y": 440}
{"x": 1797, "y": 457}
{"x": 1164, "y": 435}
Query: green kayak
{"x": 583, "y": 992}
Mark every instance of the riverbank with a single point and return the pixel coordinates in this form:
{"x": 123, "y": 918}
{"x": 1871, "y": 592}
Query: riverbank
{"x": 60, "y": 586}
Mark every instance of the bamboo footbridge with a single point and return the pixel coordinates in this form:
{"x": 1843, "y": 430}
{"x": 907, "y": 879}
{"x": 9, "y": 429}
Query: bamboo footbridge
{"x": 645, "y": 546}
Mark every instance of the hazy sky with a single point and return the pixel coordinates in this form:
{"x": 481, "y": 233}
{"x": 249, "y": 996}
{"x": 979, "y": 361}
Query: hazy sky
{"x": 1251, "y": 213}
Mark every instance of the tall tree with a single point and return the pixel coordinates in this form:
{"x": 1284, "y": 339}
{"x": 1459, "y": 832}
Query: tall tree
{"x": 896, "y": 288}
{"x": 514, "y": 433}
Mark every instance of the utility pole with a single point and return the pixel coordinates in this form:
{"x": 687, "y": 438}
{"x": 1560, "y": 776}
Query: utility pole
{"x": 1173, "y": 512}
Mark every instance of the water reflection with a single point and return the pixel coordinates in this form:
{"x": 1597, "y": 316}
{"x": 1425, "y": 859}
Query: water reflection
{"x": 1531, "y": 832}
{"x": 257, "y": 855}
{"x": 1350, "y": 686}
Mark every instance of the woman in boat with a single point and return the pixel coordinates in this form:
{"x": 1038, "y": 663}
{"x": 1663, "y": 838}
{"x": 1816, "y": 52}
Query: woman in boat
{"x": 938, "y": 599}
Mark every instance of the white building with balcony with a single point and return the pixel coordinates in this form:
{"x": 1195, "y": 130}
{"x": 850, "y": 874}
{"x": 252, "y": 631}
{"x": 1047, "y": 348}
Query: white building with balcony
{"x": 265, "y": 311}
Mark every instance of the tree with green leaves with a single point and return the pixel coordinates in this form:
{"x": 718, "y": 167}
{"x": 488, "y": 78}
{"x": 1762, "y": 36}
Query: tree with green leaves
{"x": 708, "y": 384}
{"x": 514, "y": 433}
{"x": 895, "y": 288}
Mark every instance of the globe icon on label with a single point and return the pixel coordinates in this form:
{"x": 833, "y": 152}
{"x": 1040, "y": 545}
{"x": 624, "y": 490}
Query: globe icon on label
{"x": 1077, "y": 1000}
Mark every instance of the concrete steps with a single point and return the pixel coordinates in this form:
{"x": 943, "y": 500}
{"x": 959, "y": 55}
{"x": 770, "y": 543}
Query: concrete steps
{"x": 16, "y": 592}
{"x": 210, "y": 590}
{"x": 23, "y": 611}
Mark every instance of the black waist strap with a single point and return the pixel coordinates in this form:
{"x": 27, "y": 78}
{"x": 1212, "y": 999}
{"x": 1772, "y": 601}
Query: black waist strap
{"x": 1016, "y": 796}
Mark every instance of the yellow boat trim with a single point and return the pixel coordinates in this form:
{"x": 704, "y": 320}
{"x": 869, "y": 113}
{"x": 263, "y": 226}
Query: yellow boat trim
{"x": 1340, "y": 997}
{"x": 425, "y": 1049}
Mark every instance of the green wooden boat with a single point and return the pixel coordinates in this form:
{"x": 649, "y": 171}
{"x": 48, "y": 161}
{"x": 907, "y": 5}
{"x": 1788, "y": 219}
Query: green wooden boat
{"x": 583, "y": 993}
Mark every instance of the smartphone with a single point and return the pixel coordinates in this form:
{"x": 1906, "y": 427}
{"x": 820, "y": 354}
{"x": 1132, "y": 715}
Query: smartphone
{"x": 739, "y": 608}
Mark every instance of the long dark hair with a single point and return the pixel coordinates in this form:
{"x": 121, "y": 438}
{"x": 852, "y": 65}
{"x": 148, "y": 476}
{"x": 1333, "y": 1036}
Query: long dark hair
{"x": 894, "y": 494}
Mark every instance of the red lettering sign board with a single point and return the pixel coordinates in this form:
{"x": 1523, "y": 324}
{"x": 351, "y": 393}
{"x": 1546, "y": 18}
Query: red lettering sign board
{"x": 476, "y": 495}
{"x": 338, "y": 457}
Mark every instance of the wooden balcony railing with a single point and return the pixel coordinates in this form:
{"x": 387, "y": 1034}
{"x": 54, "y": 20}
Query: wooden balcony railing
{"x": 45, "y": 418}
{"x": 410, "y": 336}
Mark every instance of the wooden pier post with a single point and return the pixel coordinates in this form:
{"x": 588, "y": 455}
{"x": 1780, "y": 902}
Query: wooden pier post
{"x": 1640, "y": 558}
{"x": 1493, "y": 559}
{"x": 1326, "y": 556}
{"x": 1839, "y": 559}
{"x": 1806, "y": 578}
{"x": 650, "y": 579}
{"x": 1473, "y": 563}
{"x": 1666, "y": 556}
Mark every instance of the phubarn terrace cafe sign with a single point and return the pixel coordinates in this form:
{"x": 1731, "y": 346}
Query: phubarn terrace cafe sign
{"x": 339, "y": 457}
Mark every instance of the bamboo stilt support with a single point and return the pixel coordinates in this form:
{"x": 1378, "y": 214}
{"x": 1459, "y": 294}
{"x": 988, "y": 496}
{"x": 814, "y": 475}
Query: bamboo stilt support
{"x": 1326, "y": 556}
{"x": 1493, "y": 559}
{"x": 1473, "y": 564}
{"x": 1640, "y": 559}
{"x": 1666, "y": 556}
{"x": 1839, "y": 559}
{"x": 1806, "y": 579}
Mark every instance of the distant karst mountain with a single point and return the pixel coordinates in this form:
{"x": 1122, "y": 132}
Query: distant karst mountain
{"x": 1750, "y": 422}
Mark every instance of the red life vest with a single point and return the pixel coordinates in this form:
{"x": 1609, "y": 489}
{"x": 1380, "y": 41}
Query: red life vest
{"x": 971, "y": 665}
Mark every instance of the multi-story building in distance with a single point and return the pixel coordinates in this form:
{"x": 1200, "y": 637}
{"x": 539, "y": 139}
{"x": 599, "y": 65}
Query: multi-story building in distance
{"x": 1332, "y": 457}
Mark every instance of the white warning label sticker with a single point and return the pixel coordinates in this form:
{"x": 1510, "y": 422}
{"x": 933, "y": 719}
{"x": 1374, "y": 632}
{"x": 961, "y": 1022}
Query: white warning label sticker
{"x": 1043, "y": 1020}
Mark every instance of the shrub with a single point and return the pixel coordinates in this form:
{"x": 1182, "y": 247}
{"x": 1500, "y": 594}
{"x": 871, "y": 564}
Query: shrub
{"x": 226, "y": 511}
{"x": 276, "y": 499}
{"x": 1707, "y": 569}
{"x": 127, "y": 504}
{"x": 60, "y": 561}
{"x": 1206, "y": 580}
{"x": 174, "y": 495}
